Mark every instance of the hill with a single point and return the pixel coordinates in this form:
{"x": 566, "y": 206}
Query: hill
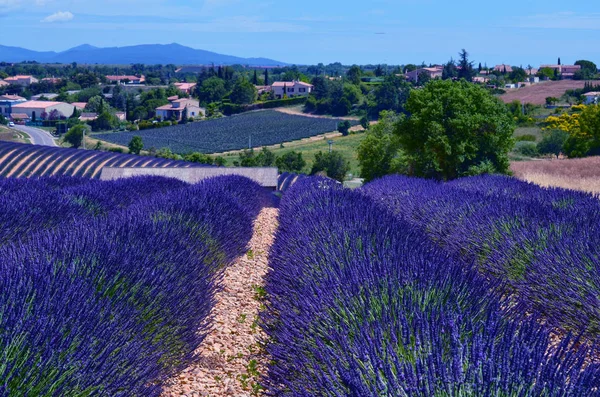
{"x": 150, "y": 54}
{"x": 537, "y": 93}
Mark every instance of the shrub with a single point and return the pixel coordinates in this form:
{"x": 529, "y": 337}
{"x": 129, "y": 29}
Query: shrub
{"x": 528, "y": 149}
{"x": 526, "y": 138}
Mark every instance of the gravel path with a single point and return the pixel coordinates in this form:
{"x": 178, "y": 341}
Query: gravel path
{"x": 231, "y": 356}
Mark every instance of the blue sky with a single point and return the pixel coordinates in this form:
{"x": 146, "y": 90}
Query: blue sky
{"x": 312, "y": 31}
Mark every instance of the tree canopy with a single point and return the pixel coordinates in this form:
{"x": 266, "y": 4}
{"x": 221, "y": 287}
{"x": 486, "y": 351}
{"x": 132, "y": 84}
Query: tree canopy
{"x": 332, "y": 163}
{"x": 244, "y": 92}
{"x": 75, "y": 136}
{"x": 453, "y": 129}
{"x": 136, "y": 145}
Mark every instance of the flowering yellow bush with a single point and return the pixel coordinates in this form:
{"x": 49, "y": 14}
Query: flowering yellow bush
{"x": 565, "y": 122}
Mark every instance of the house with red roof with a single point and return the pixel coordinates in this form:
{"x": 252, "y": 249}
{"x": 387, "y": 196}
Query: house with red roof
{"x": 177, "y": 107}
{"x": 186, "y": 88}
{"x": 291, "y": 89}
{"x": 566, "y": 72}
{"x": 433, "y": 73}
{"x": 35, "y": 110}
{"x": 21, "y": 80}
{"x": 503, "y": 68}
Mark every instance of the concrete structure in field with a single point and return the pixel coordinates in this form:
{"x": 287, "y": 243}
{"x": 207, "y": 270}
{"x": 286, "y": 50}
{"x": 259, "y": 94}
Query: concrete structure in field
{"x": 291, "y": 89}
{"x": 35, "y": 109}
{"x": 265, "y": 176}
{"x": 7, "y": 102}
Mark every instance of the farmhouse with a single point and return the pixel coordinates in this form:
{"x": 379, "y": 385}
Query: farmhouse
{"x": 175, "y": 109}
{"x": 3, "y": 83}
{"x": 592, "y": 98}
{"x": 88, "y": 117}
{"x": 186, "y": 88}
{"x": 261, "y": 89}
{"x": 126, "y": 79}
{"x": 503, "y": 68}
{"x": 291, "y": 88}
{"x": 79, "y": 105}
{"x": 7, "y": 102}
{"x": 565, "y": 71}
{"x": 36, "y": 110}
{"x": 19, "y": 117}
{"x": 432, "y": 73}
{"x": 21, "y": 80}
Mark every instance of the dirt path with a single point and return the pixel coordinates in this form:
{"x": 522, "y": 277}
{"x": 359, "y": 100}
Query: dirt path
{"x": 294, "y": 110}
{"x": 231, "y": 356}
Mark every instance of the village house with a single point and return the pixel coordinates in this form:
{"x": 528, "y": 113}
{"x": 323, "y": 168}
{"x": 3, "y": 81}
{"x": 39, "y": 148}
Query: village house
{"x": 21, "y": 80}
{"x": 177, "y": 107}
{"x": 261, "y": 89}
{"x": 503, "y": 68}
{"x": 592, "y": 98}
{"x": 566, "y": 72}
{"x": 432, "y": 73}
{"x": 291, "y": 89}
{"x": 186, "y": 88}
{"x": 79, "y": 105}
{"x": 47, "y": 96}
{"x": 126, "y": 79}
{"x": 36, "y": 109}
{"x": 7, "y": 102}
{"x": 3, "y": 83}
{"x": 85, "y": 117}
{"x": 51, "y": 80}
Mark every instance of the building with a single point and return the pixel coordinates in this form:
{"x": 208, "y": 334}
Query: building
{"x": 186, "y": 88}
{"x": 432, "y": 73}
{"x": 85, "y": 117}
{"x": 19, "y": 118}
{"x": 503, "y": 68}
{"x": 7, "y": 102}
{"x": 47, "y": 96}
{"x": 126, "y": 79}
{"x": 592, "y": 98}
{"x": 261, "y": 89}
{"x": 565, "y": 72}
{"x": 51, "y": 80}
{"x": 122, "y": 116}
{"x": 176, "y": 107}
{"x": 291, "y": 89}
{"x": 21, "y": 80}
{"x": 79, "y": 105}
{"x": 36, "y": 109}
{"x": 3, "y": 83}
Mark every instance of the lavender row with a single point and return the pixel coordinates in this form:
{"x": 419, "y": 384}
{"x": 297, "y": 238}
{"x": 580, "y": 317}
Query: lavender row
{"x": 543, "y": 245}
{"x": 362, "y": 304}
{"x": 115, "y": 305}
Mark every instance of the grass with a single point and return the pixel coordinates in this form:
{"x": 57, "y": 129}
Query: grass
{"x": 346, "y": 145}
{"x": 535, "y": 131}
{"x": 12, "y": 135}
{"x": 577, "y": 174}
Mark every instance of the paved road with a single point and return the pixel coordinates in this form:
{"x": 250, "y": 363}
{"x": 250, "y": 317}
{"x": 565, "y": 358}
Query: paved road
{"x": 38, "y": 136}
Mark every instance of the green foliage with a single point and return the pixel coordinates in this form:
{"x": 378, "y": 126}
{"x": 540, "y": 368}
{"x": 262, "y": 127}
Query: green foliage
{"x": 243, "y": 93}
{"x": 354, "y": 74}
{"x": 332, "y": 163}
{"x": 526, "y": 138}
{"x": 547, "y": 73}
{"x": 136, "y": 145}
{"x": 552, "y": 142}
{"x": 586, "y": 140}
{"x": 290, "y": 162}
{"x": 518, "y": 74}
{"x": 525, "y": 148}
{"x": 105, "y": 121}
{"x": 344, "y": 127}
{"x": 465, "y": 70}
{"x": 379, "y": 151}
{"x": 212, "y": 90}
{"x": 265, "y": 158}
{"x": 551, "y": 100}
{"x": 75, "y": 136}
{"x": 364, "y": 122}
{"x": 453, "y": 127}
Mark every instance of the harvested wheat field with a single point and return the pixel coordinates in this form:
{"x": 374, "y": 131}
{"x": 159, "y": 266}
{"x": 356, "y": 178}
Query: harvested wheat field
{"x": 577, "y": 174}
{"x": 537, "y": 93}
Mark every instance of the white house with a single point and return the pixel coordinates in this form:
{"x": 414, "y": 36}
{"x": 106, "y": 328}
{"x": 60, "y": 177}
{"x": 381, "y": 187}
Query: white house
{"x": 35, "y": 109}
{"x": 291, "y": 88}
{"x": 176, "y": 107}
{"x": 592, "y": 98}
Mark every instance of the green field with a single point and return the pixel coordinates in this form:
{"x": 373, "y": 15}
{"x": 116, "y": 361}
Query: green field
{"x": 344, "y": 144}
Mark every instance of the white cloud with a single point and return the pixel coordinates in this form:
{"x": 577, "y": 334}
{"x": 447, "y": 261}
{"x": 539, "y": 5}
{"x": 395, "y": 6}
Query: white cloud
{"x": 60, "y": 16}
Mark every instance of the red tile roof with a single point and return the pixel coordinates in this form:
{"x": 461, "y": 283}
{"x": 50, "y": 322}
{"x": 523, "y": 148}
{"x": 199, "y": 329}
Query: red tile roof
{"x": 36, "y": 105}
{"x": 79, "y": 105}
{"x": 11, "y": 98}
{"x": 19, "y": 116}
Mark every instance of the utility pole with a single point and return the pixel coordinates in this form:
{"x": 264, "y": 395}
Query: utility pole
{"x": 330, "y": 143}
{"x": 249, "y": 142}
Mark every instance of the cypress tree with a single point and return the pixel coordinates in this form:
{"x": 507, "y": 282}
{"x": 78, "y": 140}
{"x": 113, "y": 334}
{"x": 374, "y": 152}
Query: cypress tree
{"x": 266, "y": 76}
{"x": 255, "y": 78}
{"x": 559, "y": 60}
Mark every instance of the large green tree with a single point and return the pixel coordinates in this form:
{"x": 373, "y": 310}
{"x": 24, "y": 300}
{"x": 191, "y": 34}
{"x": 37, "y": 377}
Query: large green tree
{"x": 454, "y": 128}
{"x": 379, "y": 151}
{"x": 244, "y": 92}
{"x": 290, "y": 162}
{"x": 212, "y": 90}
{"x": 75, "y": 136}
{"x": 136, "y": 145}
{"x": 465, "y": 69}
{"x": 332, "y": 163}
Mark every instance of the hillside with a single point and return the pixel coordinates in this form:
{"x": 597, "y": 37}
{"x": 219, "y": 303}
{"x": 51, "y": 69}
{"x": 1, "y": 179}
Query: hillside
{"x": 537, "y": 94}
{"x": 150, "y": 54}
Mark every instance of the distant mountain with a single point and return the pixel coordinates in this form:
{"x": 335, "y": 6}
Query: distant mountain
{"x": 150, "y": 54}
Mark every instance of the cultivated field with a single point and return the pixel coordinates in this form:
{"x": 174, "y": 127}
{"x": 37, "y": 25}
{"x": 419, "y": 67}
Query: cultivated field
{"x": 537, "y": 93}
{"x": 262, "y": 128}
{"x": 578, "y": 174}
